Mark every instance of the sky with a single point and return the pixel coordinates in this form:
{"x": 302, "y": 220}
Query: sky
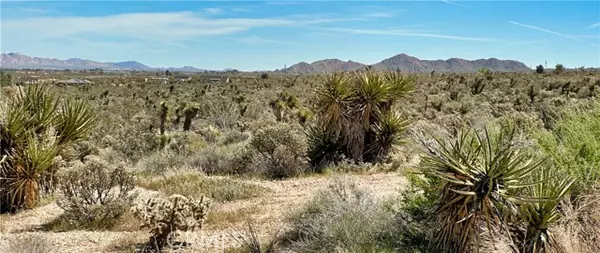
{"x": 266, "y": 35}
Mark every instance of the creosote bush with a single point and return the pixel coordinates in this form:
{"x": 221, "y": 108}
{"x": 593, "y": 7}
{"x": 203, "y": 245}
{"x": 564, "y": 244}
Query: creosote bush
{"x": 95, "y": 192}
{"x": 165, "y": 218}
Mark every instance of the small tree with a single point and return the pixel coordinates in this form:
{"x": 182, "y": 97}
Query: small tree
{"x": 559, "y": 69}
{"x": 539, "y": 69}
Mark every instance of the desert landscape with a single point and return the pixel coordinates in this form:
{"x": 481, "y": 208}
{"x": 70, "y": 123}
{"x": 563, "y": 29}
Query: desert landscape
{"x": 383, "y": 153}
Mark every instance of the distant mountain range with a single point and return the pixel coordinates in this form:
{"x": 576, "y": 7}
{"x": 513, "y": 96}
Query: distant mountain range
{"x": 21, "y": 61}
{"x": 403, "y": 62}
{"x": 407, "y": 63}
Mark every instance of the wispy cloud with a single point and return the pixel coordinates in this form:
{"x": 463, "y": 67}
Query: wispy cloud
{"x": 407, "y": 33}
{"x": 167, "y": 26}
{"x": 455, "y": 3}
{"x": 284, "y": 2}
{"x": 212, "y": 10}
{"x": 260, "y": 40}
{"x": 594, "y": 25}
{"x": 543, "y": 30}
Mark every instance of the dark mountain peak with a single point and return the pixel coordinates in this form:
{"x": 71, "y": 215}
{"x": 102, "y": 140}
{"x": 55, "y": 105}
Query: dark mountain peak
{"x": 408, "y": 63}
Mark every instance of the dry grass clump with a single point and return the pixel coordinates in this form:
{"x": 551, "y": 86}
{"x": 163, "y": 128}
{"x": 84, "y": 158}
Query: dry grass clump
{"x": 29, "y": 243}
{"x": 579, "y": 229}
{"x": 342, "y": 218}
{"x": 196, "y": 185}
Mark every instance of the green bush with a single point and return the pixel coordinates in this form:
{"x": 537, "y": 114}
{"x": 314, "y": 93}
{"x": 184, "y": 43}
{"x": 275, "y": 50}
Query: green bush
{"x": 574, "y": 145}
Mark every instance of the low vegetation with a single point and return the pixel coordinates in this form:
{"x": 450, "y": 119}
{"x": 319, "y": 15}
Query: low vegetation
{"x": 196, "y": 185}
{"x": 493, "y": 160}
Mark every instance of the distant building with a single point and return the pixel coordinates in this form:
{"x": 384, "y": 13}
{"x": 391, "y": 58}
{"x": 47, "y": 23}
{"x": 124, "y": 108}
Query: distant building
{"x": 74, "y": 82}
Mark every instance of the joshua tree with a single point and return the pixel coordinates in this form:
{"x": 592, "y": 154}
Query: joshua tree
{"x": 539, "y": 69}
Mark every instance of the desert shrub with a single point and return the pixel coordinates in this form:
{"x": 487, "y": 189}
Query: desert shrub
{"x": 559, "y": 69}
{"x": 574, "y": 145}
{"x": 341, "y": 218}
{"x": 252, "y": 244}
{"x": 234, "y": 136}
{"x": 195, "y": 185}
{"x": 161, "y": 161}
{"x": 220, "y": 112}
{"x": 165, "y": 218}
{"x": 356, "y": 111}
{"x": 578, "y": 229}
{"x": 133, "y": 140}
{"x": 29, "y": 243}
{"x": 34, "y": 128}
{"x": 224, "y": 160}
{"x": 210, "y": 133}
{"x": 95, "y": 192}
{"x": 282, "y": 150}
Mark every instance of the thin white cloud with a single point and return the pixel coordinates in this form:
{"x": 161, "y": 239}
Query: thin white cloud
{"x": 167, "y": 26}
{"x": 259, "y": 40}
{"x": 212, "y": 10}
{"x": 408, "y": 33}
{"x": 543, "y": 30}
{"x": 594, "y": 25}
{"x": 378, "y": 15}
{"x": 455, "y": 3}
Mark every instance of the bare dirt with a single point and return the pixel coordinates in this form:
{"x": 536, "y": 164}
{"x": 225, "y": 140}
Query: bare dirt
{"x": 267, "y": 212}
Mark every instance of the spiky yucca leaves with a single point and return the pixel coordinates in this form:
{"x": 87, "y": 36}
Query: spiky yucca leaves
{"x": 333, "y": 99}
{"x": 34, "y": 128}
{"x": 483, "y": 175}
{"x": 323, "y": 145}
{"x": 538, "y": 216}
{"x": 388, "y": 134}
{"x": 355, "y": 111}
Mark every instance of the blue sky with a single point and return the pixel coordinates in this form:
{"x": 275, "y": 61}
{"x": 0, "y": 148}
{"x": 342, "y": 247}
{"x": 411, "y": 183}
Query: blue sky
{"x": 253, "y": 35}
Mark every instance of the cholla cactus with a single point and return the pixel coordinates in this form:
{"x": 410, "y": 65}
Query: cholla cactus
{"x": 166, "y": 217}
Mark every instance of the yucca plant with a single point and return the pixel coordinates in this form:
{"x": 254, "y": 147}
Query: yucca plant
{"x": 34, "y": 127}
{"x": 538, "y": 216}
{"x": 484, "y": 177}
{"x": 356, "y": 111}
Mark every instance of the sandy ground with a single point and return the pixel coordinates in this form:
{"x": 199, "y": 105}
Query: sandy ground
{"x": 267, "y": 213}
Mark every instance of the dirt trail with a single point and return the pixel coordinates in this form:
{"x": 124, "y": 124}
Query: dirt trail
{"x": 267, "y": 213}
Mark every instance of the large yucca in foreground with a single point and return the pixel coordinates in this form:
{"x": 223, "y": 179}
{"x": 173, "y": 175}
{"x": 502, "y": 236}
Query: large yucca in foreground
{"x": 485, "y": 176}
{"x": 355, "y": 116}
{"x": 34, "y": 127}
